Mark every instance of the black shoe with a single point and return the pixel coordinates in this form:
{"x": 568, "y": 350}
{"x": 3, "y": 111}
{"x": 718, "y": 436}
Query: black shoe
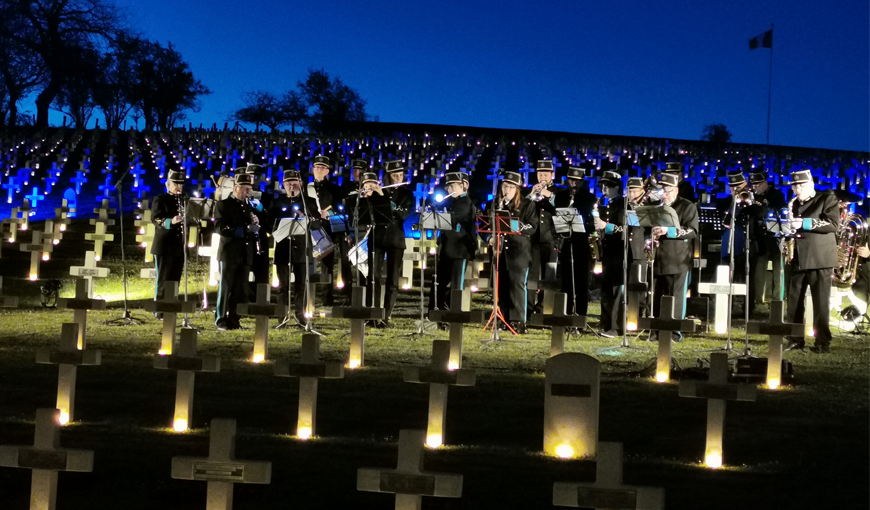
{"x": 821, "y": 349}
{"x": 221, "y": 325}
{"x": 444, "y": 326}
{"x": 653, "y": 337}
{"x": 609, "y": 334}
{"x": 519, "y": 327}
{"x": 794, "y": 345}
{"x": 383, "y": 324}
{"x": 158, "y": 316}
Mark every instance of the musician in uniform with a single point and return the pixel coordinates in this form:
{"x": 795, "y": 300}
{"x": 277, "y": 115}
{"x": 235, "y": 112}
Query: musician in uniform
{"x": 686, "y": 190}
{"x": 739, "y": 188}
{"x": 237, "y": 225}
{"x": 614, "y": 252}
{"x": 544, "y": 251}
{"x": 516, "y": 250}
{"x": 327, "y": 195}
{"x": 456, "y": 246}
{"x": 167, "y": 213}
{"x": 388, "y": 240}
{"x": 673, "y": 260}
{"x": 575, "y": 256}
{"x": 815, "y": 216}
{"x": 294, "y": 250}
{"x": 763, "y": 246}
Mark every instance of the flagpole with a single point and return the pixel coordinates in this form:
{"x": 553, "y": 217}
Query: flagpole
{"x": 769, "y": 83}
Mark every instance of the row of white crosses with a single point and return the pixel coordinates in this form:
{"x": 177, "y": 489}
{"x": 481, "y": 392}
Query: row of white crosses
{"x": 99, "y": 236}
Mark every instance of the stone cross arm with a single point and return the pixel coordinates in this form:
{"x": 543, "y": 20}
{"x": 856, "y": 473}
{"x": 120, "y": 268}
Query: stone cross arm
{"x": 357, "y": 313}
{"x": 558, "y": 321}
{"x": 261, "y": 309}
{"x": 442, "y": 485}
{"x": 285, "y": 368}
{"x": 777, "y": 325}
{"x": 233, "y": 471}
{"x": 667, "y": 324}
{"x": 47, "y": 356}
{"x": 170, "y": 306}
{"x": 81, "y": 461}
{"x": 701, "y": 389}
{"x": 472, "y": 317}
{"x": 197, "y": 364}
{"x": 81, "y": 304}
{"x": 462, "y": 377}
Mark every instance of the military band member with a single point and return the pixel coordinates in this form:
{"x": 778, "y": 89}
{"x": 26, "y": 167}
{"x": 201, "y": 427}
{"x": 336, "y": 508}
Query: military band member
{"x": 544, "y": 248}
{"x": 816, "y": 218}
{"x": 516, "y": 250}
{"x": 295, "y": 250}
{"x": 686, "y": 190}
{"x": 237, "y": 225}
{"x": 614, "y": 249}
{"x": 328, "y": 195}
{"x": 763, "y": 246}
{"x": 673, "y": 259}
{"x": 575, "y": 256}
{"x": 167, "y": 213}
{"x": 734, "y": 242}
{"x": 457, "y": 246}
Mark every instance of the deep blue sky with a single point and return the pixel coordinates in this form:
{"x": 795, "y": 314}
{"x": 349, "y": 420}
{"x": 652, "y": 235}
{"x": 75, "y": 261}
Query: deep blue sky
{"x": 626, "y": 67}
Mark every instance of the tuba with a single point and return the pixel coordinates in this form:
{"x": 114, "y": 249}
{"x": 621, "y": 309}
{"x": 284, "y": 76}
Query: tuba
{"x": 854, "y": 232}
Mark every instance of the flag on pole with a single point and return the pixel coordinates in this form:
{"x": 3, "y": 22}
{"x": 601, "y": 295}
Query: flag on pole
{"x": 764, "y": 40}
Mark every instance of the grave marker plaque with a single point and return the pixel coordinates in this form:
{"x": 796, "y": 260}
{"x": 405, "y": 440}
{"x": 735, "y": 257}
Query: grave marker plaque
{"x": 571, "y": 405}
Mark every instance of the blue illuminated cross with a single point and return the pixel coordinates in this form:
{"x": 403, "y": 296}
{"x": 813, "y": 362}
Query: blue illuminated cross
{"x": 235, "y": 157}
{"x": 107, "y": 187}
{"x": 187, "y": 165}
{"x": 34, "y": 197}
{"x": 78, "y": 180}
{"x": 12, "y": 187}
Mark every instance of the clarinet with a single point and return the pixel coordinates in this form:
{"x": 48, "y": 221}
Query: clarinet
{"x": 257, "y": 234}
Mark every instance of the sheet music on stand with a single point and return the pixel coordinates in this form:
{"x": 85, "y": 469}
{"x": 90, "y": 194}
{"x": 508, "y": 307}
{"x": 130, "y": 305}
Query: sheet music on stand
{"x": 779, "y": 227}
{"x": 338, "y": 223}
{"x": 568, "y": 219}
{"x": 199, "y": 209}
{"x": 290, "y": 227}
{"x": 506, "y": 224}
{"x": 358, "y": 256}
{"x": 657, "y": 216}
{"x": 435, "y": 221}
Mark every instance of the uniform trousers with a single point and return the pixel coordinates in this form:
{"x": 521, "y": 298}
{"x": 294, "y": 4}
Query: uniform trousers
{"x": 819, "y": 282}
{"x": 385, "y": 275}
{"x": 675, "y": 285}
{"x": 611, "y": 296}
{"x": 513, "y": 276}
{"x": 451, "y": 275}
{"x": 169, "y": 269}
{"x": 232, "y": 290}
{"x": 542, "y": 254}
{"x": 758, "y": 273}
{"x": 577, "y": 247}
{"x": 298, "y": 287}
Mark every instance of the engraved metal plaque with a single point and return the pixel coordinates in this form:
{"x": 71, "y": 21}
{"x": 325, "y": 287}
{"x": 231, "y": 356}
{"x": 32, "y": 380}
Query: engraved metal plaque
{"x": 718, "y": 391}
{"x": 428, "y": 375}
{"x": 34, "y": 459}
{"x": 719, "y": 289}
{"x": 606, "y": 499}
{"x": 307, "y": 370}
{"x": 408, "y": 484}
{"x": 571, "y": 390}
{"x": 183, "y": 363}
{"x": 67, "y": 358}
{"x": 218, "y": 471}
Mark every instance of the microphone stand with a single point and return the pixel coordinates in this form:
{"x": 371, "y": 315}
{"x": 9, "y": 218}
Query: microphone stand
{"x": 424, "y": 326}
{"x": 290, "y": 312}
{"x": 306, "y": 292}
{"x": 185, "y": 320}
{"x": 729, "y": 347}
{"x": 127, "y": 319}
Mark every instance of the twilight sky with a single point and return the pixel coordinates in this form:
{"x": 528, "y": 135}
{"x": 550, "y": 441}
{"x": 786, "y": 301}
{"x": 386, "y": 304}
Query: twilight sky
{"x": 624, "y": 67}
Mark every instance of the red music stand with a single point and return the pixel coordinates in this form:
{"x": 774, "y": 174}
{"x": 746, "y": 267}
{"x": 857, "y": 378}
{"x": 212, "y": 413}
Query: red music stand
{"x": 504, "y": 225}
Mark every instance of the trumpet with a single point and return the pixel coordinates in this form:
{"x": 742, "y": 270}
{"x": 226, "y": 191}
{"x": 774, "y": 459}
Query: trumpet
{"x": 537, "y": 193}
{"x": 745, "y": 197}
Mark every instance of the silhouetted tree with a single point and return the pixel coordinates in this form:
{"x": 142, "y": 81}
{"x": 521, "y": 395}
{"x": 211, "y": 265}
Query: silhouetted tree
{"x": 20, "y": 73}
{"x": 54, "y": 31}
{"x": 117, "y": 79}
{"x": 716, "y": 133}
{"x": 165, "y": 86}
{"x": 295, "y": 109}
{"x": 330, "y": 102}
{"x": 261, "y": 107}
{"x": 77, "y": 95}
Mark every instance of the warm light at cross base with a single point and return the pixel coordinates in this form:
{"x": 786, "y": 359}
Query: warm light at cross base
{"x": 564, "y": 451}
{"x": 811, "y": 332}
{"x": 142, "y": 231}
{"x": 309, "y": 314}
{"x": 163, "y": 352}
{"x": 433, "y": 251}
{"x": 190, "y": 245}
{"x": 773, "y": 383}
{"x": 453, "y": 365}
{"x": 339, "y": 284}
{"x": 24, "y": 226}
{"x": 144, "y": 245}
{"x": 354, "y": 363}
{"x": 474, "y": 288}
{"x": 721, "y": 328}
{"x": 63, "y": 228}
{"x": 662, "y": 377}
{"x": 258, "y": 358}
{"x": 96, "y": 258}
{"x": 180, "y": 425}
{"x": 45, "y": 256}
{"x": 406, "y": 286}
{"x": 597, "y": 269}
{"x": 63, "y": 418}
{"x": 33, "y": 277}
{"x": 304, "y": 433}
{"x": 434, "y": 440}
{"x": 713, "y": 460}
{"x": 631, "y": 326}
{"x": 55, "y": 242}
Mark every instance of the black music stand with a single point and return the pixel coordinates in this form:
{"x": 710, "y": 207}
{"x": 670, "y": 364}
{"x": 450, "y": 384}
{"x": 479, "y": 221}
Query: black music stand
{"x": 655, "y": 216}
{"x": 373, "y": 211}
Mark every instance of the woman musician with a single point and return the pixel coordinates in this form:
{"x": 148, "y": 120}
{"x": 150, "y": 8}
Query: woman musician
{"x": 295, "y": 249}
{"x": 516, "y": 250}
{"x": 457, "y": 246}
{"x": 167, "y": 213}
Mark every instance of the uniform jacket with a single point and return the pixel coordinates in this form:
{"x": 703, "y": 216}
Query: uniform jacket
{"x": 526, "y": 221}
{"x": 816, "y": 242}
{"x": 168, "y": 238}
{"x": 614, "y": 245}
{"x": 400, "y": 201}
{"x": 461, "y": 242}
{"x": 232, "y": 217}
{"x": 674, "y": 254}
{"x": 283, "y": 207}
{"x": 544, "y": 210}
{"x": 583, "y": 201}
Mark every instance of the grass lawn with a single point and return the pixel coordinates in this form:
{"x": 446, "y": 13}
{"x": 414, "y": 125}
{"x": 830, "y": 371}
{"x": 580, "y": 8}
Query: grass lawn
{"x": 803, "y": 446}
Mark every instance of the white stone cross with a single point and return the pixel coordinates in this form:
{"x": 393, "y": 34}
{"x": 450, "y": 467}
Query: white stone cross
{"x": 776, "y": 328}
{"x": 723, "y": 290}
{"x": 457, "y": 319}
{"x": 221, "y": 469}
{"x": 45, "y": 458}
{"x": 717, "y": 390}
{"x": 170, "y": 307}
{"x": 89, "y": 271}
{"x": 571, "y": 405}
{"x": 263, "y": 310}
{"x": 439, "y": 377}
{"x": 635, "y": 291}
{"x": 408, "y": 481}
{"x": 308, "y": 370}
{"x": 99, "y": 236}
{"x": 7, "y": 301}
{"x": 358, "y": 314}
{"x": 186, "y": 362}
{"x": 666, "y": 324}
{"x": 39, "y": 250}
{"x": 67, "y": 357}
{"x": 214, "y": 271}
{"x": 80, "y": 305}
{"x": 608, "y": 491}
{"x": 558, "y": 320}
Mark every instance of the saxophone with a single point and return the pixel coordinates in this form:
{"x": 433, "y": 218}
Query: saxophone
{"x": 788, "y": 243}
